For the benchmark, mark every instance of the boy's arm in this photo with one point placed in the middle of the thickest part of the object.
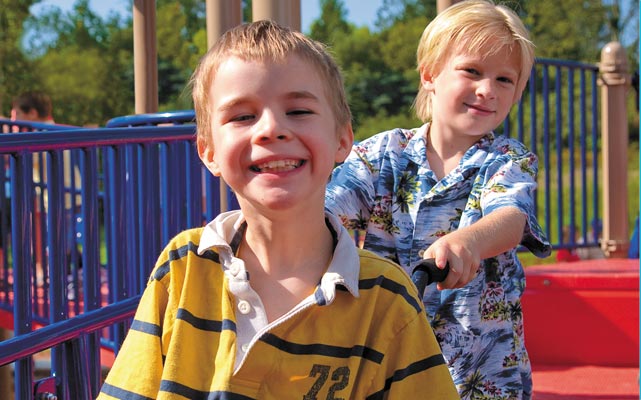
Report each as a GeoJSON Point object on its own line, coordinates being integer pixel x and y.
{"type": "Point", "coordinates": [464, 248]}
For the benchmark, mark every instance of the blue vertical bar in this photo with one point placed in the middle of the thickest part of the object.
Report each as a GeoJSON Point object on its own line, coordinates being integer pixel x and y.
{"type": "Point", "coordinates": [559, 150]}
{"type": "Point", "coordinates": [533, 121]}
{"type": "Point", "coordinates": [519, 117]}
{"type": "Point", "coordinates": [88, 165]}
{"type": "Point", "coordinates": [39, 227]}
{"type": "Point", "coordinates": [21, 242]}
{"type": "Point", "coordinates": [164, 194]}
{"type": "Point", "coordinates": [572, 194]}
{"type": "Point", "coordinates": [56, 244]}
{"type": "Point", "coordinates": [546, 149]}
{"type": "Point", "coordinates": [583, 152]}
{"type": "Point", "coordinates": [5, 220]}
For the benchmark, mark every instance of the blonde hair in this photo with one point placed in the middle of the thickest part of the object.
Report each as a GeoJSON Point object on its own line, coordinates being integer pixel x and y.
{"type": "Point", "coordinates": [265, 41]}
{"type": "Point", "coordinates": [471, 26]}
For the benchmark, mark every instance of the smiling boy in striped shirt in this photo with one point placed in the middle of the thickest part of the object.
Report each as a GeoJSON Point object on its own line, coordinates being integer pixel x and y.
{"type": "Point", "coordinates": [274, 301]}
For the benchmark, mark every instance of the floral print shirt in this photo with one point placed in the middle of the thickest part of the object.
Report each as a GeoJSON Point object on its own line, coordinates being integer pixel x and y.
{"type": "Point", "coordinates": [387, 189]}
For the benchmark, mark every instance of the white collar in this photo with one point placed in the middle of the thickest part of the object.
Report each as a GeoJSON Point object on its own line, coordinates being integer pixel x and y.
{"type": "Point", "coordinates": [222, 235]}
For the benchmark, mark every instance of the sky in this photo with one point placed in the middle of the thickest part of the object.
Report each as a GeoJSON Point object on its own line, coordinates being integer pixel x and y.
{"type": "Point", "coordinates": [359, 12]}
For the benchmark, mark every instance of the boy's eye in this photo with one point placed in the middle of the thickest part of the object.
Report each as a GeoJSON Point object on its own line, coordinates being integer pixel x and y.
{"type": "Point", "coordinates": [472, 71]}
{"type": "Point", "coordinates": [242, 118]}
{"type": "Point", "coordinates": [299, 112]}
{"type": "Point", "coordinates": [505, 79]}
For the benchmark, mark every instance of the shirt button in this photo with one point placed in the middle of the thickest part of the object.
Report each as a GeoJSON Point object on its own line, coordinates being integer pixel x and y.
{"type": "Point", "coordinates": [420, 253]}
{"type": "Point", "coordinates": [244, 347]}
{"type": "Point", "coordinates": [234, 268]}
{"type": "Point", "coordinates": [244, 307]}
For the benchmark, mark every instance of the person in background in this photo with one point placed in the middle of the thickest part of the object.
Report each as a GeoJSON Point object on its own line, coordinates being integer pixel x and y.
{"type": "Point", "coordinates": [455, 191]}
{"type": "Point", "coordinates": [274, 301]}
{"type": "Point", "coordinates": [36, 106]}
{"type": "Point", "coordinates": [32, 106]}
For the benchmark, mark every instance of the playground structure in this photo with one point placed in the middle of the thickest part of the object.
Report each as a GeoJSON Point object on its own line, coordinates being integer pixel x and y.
{"type": "Point", "coordinates": [76, 255]}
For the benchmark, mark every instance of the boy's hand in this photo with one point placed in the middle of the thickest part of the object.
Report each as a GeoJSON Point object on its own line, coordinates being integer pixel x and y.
{"type": "Point", "coordinates": [464, 259]}
{"type": "Point", "coordinates": [464, 248]}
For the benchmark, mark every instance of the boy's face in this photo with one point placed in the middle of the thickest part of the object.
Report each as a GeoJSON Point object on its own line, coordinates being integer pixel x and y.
{"type": "Point", "coordinates": [473, 93]}
{"type": "Point", "coordinates": [274, 135]}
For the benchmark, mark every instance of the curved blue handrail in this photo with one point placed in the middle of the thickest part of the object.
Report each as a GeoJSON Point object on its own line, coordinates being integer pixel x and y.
{"type": "Point", "coordinates": [172, 117]}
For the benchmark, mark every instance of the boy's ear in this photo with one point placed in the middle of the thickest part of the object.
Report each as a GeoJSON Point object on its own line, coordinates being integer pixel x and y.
{"type": "Point", "coordinates": [206, 154]}
{"type": "Point", "coordinates": [345, 142]}
{"type": "Point", "coordinates": [427, 79]}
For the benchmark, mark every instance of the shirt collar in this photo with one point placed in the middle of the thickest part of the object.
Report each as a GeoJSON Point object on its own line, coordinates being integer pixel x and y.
{"type": "Point", "coordinates": [416, 148]}
{"type": "Point", "coordinates": [224, 233]}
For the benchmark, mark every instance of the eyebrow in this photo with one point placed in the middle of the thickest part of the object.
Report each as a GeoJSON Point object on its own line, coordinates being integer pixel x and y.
{"type": "Point", "coordinates": [299, 94]}
{"type": "Point", "coordinates": [302, 94]}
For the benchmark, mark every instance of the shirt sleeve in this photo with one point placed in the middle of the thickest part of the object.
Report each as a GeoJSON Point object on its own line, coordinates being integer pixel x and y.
{"type": "Point", "coordinates": [510, 181]}
{"type": "Point", "coordinates": [138, 367]}
{"type": "Point", "coordinates": [350, 192]}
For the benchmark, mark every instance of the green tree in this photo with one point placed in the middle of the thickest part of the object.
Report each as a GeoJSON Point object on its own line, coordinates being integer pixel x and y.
{"type": "Point", "coordinates": [555, 29]}
{"type": "Point", "coordinates": [394, 11]}
{"type": "Point", "coordinates": [83, 62]}
{"type": "Point", "coordinates": [332, 24]}
{"type": "Point", "coordinates": [15, 70]}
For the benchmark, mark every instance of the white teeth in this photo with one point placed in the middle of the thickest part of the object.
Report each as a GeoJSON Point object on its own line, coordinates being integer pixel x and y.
{"type": "Point", "coordinates": [279, 165]}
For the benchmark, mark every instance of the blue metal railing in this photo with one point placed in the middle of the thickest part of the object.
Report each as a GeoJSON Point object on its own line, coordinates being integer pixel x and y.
{"type": "Point", "coordinates": [141, 183]}
{"type": "Point", "coordinates": [124, 203]}
{"type": "Point", "coordinates": [560, 135]}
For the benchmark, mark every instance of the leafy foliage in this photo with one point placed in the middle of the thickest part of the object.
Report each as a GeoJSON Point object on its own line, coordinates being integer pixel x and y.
{"type": "Point", "coordinates": [86, 63]}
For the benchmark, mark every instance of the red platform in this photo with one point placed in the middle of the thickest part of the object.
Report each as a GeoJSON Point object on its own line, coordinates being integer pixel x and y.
{"type": "Point", "coordinates": [582, 329]}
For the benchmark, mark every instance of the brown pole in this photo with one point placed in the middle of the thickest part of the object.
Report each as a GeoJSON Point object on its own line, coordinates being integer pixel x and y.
{"type": "Point", "coordinates": [295, 15]}
{"type": "Point", "coordinates": [221, 16]}
{"type": "Point", "coordinates": [443, 4]}
{"type": "Point", "coordinates": [614, 84]}
{"type": "Point", "coordinates": [6, 372]}
{"type": "Point", "coordinates": [145, 56]}
{"type": "Point", "coordinates": [276, 10]}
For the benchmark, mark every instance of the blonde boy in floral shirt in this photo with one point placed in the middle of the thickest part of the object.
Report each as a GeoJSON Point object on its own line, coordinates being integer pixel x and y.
{"type": "Point", "coordinates": [454, 191]}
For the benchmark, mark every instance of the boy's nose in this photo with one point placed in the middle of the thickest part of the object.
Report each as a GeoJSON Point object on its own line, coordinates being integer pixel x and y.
{"type": "Point", "coordinates": [270, 128]}
{"type": "Point", "coordinates": [486, 88]}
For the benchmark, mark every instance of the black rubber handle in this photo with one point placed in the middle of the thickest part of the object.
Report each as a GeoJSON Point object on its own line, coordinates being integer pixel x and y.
{"type": "Point", "coordinates": [426, 272]}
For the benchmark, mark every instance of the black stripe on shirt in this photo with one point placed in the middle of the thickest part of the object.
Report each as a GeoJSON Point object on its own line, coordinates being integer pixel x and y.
{"type": "Point", "coordinates": [205, 324]}
{"type": "Point", "coordinates": [146, 327]}
{"type": "Point", "coordinates": [323, 349]}
{"type": "Point", "coordinates": [392, 286]}
{"type": "Point", "coordinates": [193, 394]}
{"type": "Point", "coordinates": [414, 368]}
{"type": "Point", "coordinates": [181, 252]}
{"type": "Point", "coordinates": [122, 394]}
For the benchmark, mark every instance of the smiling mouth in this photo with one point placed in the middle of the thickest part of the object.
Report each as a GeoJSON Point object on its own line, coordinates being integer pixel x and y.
{"type": "Point", "coordinates": [478, 108]}
{"type": "Point", "coordinates": [277, 166]}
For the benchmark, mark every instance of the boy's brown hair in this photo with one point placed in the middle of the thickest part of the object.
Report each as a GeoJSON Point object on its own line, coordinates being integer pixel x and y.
{"type": "Point", "coordinates": [265, 41]}
{"type": "Point", "coordinates": [33, 101]}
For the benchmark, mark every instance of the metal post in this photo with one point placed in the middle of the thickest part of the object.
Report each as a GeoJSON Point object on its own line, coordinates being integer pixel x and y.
{"type": "Point", "coordinates": [281, 11]}
{"type": "Point", "coordinates": [295, 15]}
{"type": "Point", "coordinates": [614, 84]}
{"type": "Point", "coordinates": [145, 56]}
{"type": "Point", "coordinates": [443, 4]}
{"type": "Point", "coordinates": [6, 372]}
{"type": "Point", "coordinates": [221, 16]}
